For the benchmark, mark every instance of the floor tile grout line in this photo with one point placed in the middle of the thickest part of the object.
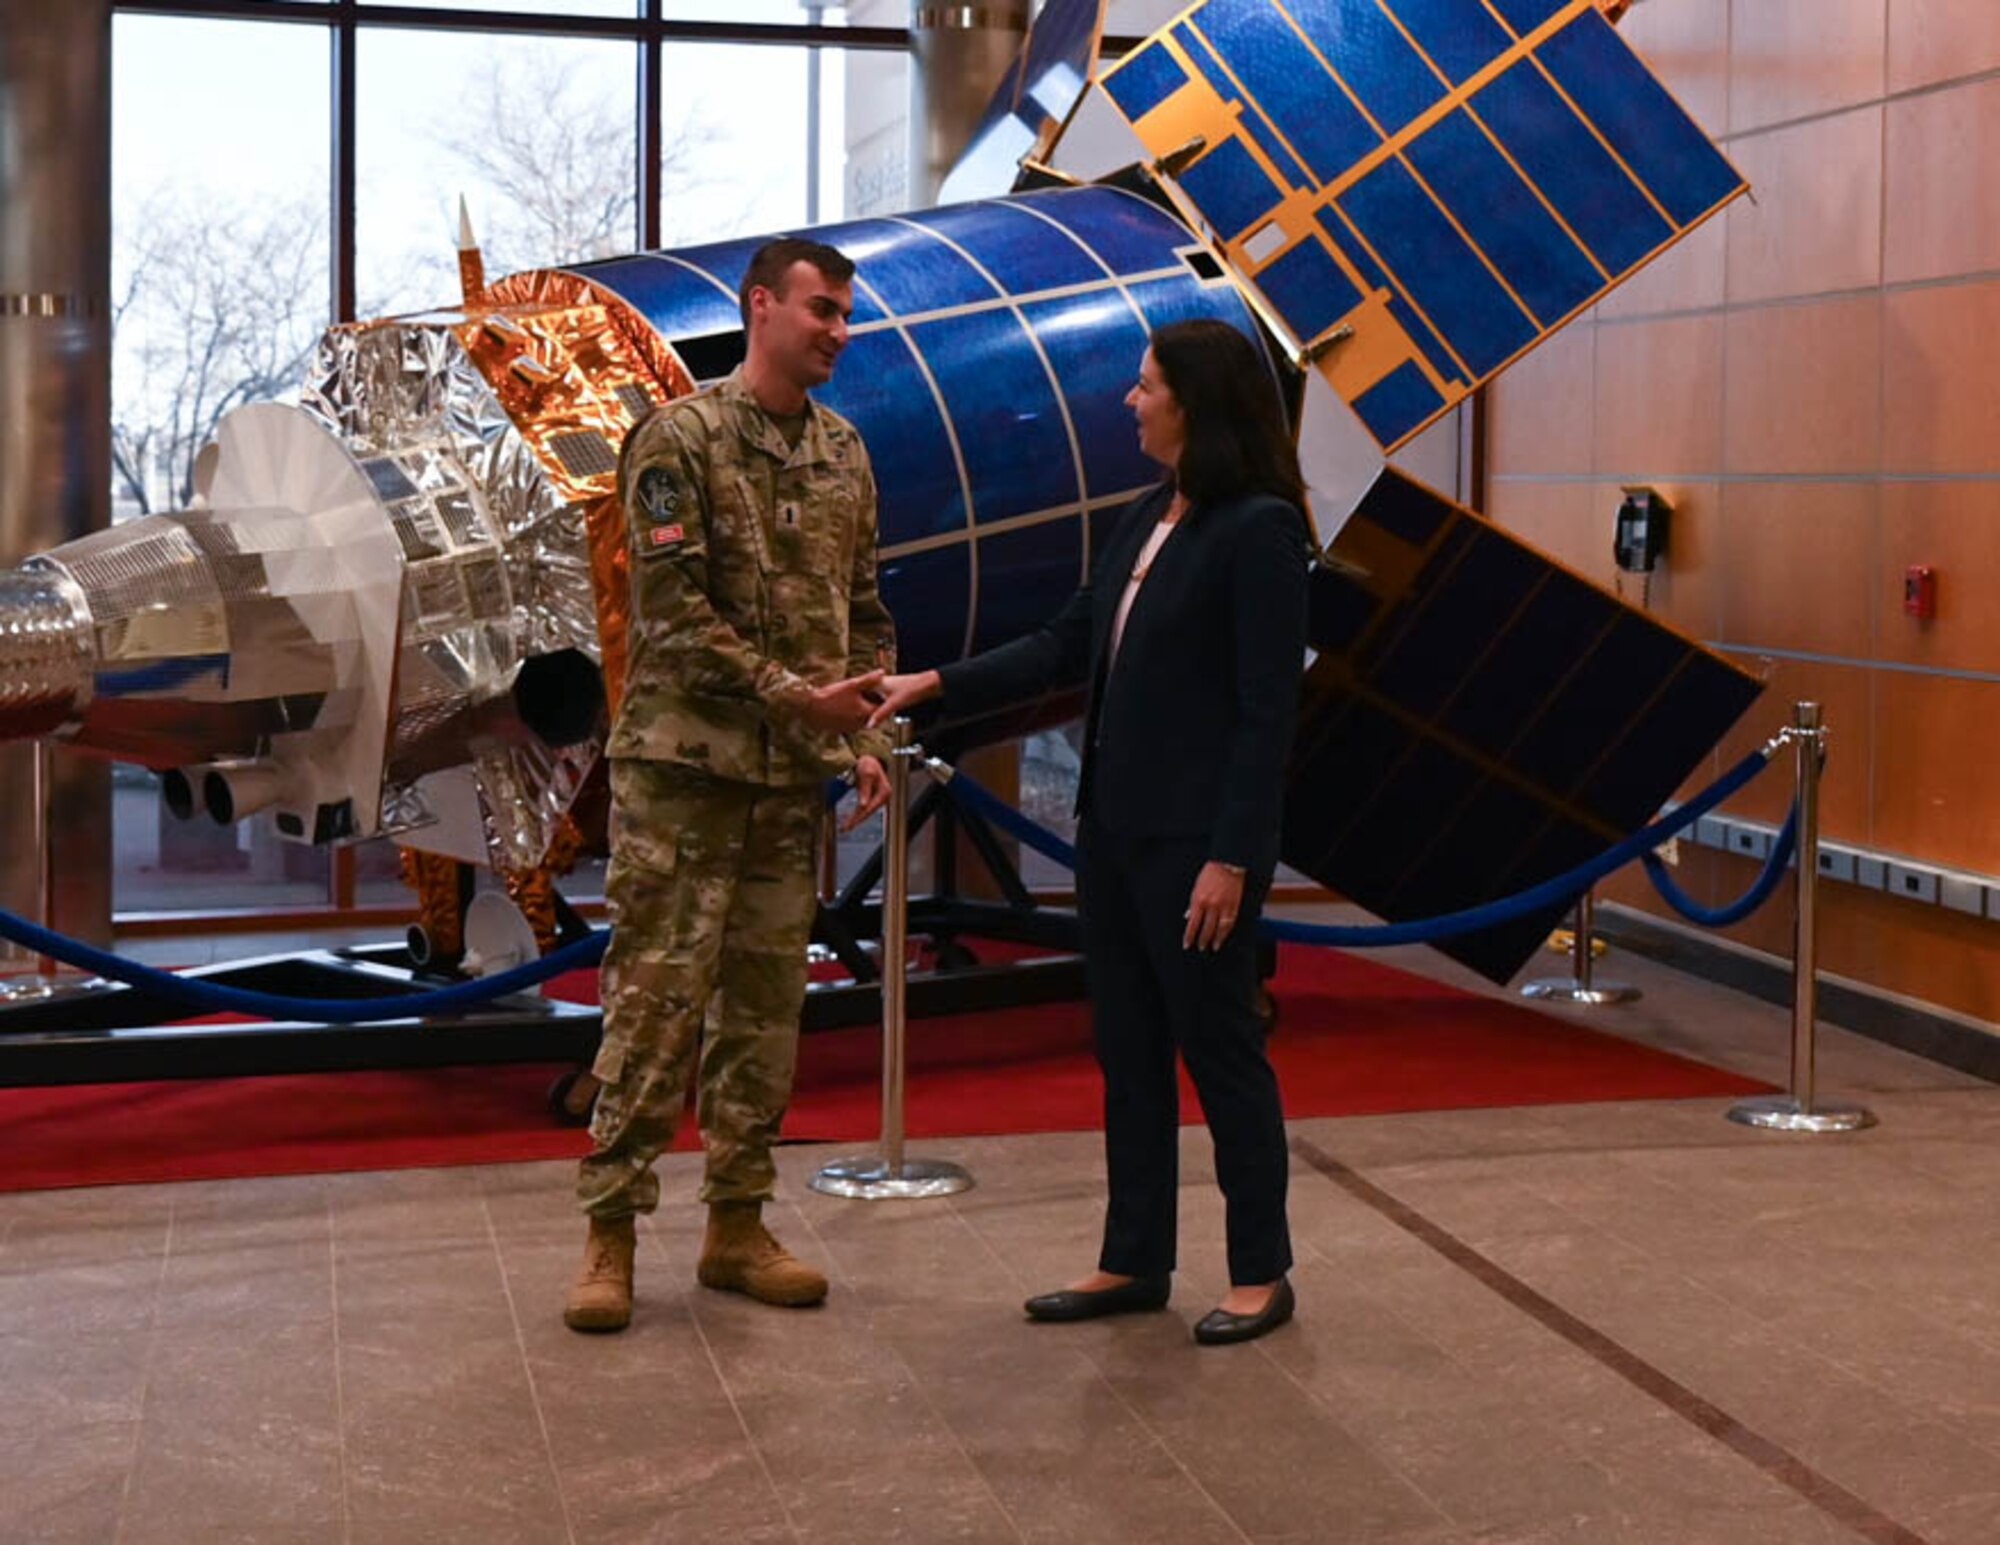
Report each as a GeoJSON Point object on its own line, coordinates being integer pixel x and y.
{"type": "Point", "coordinates": [153, 1335]}
{"type": "Point", "coordinates": [688, 1307]}
{"type": "Point", "coordinates": [1829, 1496]}
{"type": "Point", "coordinates": [1817, 1272]}
{"type": "Point", "coordinates": [917, 1385]}
{"type": "Point", "coordinates": [527, 1368]}
{"type": "Point", "coordinates": [1589, 1225]}
{"type": "Point", "coordinates": [339, 1385]}
{"type": "Point", "coordinates": [1097, 1370]}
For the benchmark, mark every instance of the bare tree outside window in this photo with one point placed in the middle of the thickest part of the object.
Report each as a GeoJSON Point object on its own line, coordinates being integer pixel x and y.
{"type": "Point", "coordinates": [213, 307]}
{"type": "Point", "coordinates": [217, 305]}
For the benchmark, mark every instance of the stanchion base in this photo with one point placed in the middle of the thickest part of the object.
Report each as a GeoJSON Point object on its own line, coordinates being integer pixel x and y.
{"type": "Point", "coordinates": [873, 1179]}
{"type": "Point", "coordinates": [1567, 989]}
{"type": "Point", "coordinates": [1782, 1113]}
{"type": "Point", "coordinates": [46, 989]}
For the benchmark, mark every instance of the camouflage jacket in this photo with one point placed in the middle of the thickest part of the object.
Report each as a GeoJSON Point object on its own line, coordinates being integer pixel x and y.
{"type": "Point", "coordinates": [753, 581]}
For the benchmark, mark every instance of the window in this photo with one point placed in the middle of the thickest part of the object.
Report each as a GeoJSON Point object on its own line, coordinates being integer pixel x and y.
{"type": "Point", "coordinates": [220, 291]}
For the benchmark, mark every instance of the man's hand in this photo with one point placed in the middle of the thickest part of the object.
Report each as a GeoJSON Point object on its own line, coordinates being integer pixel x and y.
{"type": "Point", "coordinates": [871, 785]}
{"type": "Point", "coordinates": [844, 707]}
{"type": "Point", "coordinates": [1212, 909]}
{"type": "Point", "coordinates": [898, 694]}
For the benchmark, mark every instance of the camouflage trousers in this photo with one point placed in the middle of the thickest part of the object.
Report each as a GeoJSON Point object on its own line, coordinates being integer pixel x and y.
{"type": "Point", "coordinates": [711, 889]}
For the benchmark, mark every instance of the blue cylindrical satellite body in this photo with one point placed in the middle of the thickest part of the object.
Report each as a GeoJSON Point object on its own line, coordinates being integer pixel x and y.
{"type": "Point", "coordinates": [991, 348]}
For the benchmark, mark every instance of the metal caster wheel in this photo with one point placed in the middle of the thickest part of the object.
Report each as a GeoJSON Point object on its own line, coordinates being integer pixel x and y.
{"type": "Point", "coordinates": [953, 956]}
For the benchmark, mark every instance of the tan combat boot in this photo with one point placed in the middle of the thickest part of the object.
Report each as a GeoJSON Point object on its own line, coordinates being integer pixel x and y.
{"type": "Point", "coordinates": [601, 1296]}
{"type": "Point", "coordinates": [740, 1256]}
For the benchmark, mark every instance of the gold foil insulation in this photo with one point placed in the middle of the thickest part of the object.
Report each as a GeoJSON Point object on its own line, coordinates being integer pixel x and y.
{"type": "Point", "coordinates": [567, 357]}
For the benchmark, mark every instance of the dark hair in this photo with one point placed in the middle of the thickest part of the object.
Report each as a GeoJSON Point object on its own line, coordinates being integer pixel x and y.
{"type": "Point", "coordinates": [771, 262]}
{"type": "Point", "coordinates": [1237, 439]}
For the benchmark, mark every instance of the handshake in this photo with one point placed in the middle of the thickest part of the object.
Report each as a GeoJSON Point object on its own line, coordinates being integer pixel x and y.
{"type": "Point", "coordinates": [862, 702]}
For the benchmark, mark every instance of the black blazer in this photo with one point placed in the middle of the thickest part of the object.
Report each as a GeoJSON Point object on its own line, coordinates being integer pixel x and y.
{"type": "Point", "coordinates": [1187, 732]}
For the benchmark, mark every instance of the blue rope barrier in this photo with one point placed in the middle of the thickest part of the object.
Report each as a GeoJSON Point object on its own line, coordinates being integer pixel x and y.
{"type": "Point", "coordinates": [214, 998]}
{"type": "Point", "coordinates": [1561, 889]}
{"type": "Point", "coordinates": [1734, 911]}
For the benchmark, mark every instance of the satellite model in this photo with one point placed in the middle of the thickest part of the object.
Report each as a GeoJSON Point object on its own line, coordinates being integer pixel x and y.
{"type": "Point", "coordinates": [399, 608]}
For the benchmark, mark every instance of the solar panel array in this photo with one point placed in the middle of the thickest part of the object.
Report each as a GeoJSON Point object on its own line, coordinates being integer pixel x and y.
{"type": "Point", "coordinates": [1419, 190]}
{"type": "Point", "coordinates": [1479, 719]}
{"type": "Point", "coordinates": [1035, 98]}
{"type": "Point", "coordinates": [991, 348]}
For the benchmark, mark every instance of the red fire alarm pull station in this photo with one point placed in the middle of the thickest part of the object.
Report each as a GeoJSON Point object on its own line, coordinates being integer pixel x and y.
{"type": "Point", "coordinates": [1920, 591]}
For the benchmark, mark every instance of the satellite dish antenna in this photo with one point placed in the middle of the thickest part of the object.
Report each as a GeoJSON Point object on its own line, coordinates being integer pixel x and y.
{"type": "Point", "coordinates": [497, 936]}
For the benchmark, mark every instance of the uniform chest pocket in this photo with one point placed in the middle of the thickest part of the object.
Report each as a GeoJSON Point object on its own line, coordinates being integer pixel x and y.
{"type": "Point", "coordinates": [805, 528]}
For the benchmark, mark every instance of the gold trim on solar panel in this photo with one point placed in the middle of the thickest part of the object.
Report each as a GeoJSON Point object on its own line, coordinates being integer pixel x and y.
{"type": "Point", "coordinates": [1196, 113]}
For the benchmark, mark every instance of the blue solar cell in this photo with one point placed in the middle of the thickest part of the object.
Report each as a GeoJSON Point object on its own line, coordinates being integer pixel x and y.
{"type": "Point", "coordinates": [1059, 54]}
{"type": "Point", "coordinates": [1524, 16]}
{"type": "Point", "coordinates": [1398, 403]}
{"type": "Point", "coordinates": [1291, 170]}
{"type": "Point", "coordinates": [1230, 189]}
{"type": "Point", "coordinates": [1505, 220]}
{"type": "Point", "coordinates": [1094, 343]}
{"type": "Point", "coordinates": [1129, 234]}
{"type": "Point", "coordinates": [1289, 84]}
{"type": "Point", "coordinates": [910, 271]}
{"type": "Point", "coordinates": [1461, 36]}
{"type": "Point", "coordinates": [1177, 299]}
{"type": "Point", "coordinates": [929, 594]}
{"type": "Point", "coordinates": [1442, 274]}
{"type": "Point", "coordinates": [1146, 78]}
{"type": "Point", "coordinates": [1309, 289]}
{"type": "Point", "coordinates": [1043, 564]}
{"type": "Point", "coordinates": [879, 387]}
{"type": "Point", "coordinates": [1343, 237]}
{"type": "Point", "coordinates": [1429, 344]}
{"type": "Point", "coordinates": [1011, 430]}
{"type": "Point", "coordinates": [1574, 171]}
{"type": "Point", "coordinates": [679, 302]}
{"type": "Point", "coordinates": [1255, 124]}
{"type": "Point", "coordinates": [1023, 253]}
{"type": "Point", "coordinates": [992, 154]}
{"type": "Point", "coordinates": [1372, 56]}
{"type": "Point", "coordinates": [1442, 360]}
{"type": "Point", "coordinates": [1642, 122]}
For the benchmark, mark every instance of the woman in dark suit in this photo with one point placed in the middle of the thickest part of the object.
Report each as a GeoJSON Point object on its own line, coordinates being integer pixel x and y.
{"type": "Point", "coordinates": [1190, 637]}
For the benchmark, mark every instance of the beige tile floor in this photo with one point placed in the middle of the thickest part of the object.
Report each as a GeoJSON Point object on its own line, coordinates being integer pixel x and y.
{"type": "Point", "coordinates": [1631, 1324]}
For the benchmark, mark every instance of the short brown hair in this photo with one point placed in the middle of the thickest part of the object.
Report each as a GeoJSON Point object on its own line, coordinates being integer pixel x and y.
{"type": "Point", "coordinates": [771, 262]}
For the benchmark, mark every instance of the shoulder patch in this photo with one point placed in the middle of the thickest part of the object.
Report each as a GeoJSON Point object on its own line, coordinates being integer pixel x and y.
{"type": "Point", "coordinates": [658, 495]}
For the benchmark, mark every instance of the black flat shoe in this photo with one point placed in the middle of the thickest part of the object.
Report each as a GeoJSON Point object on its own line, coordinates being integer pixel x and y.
{"type": "Point", "coordinates": [1220, 1328]}
{"type": "Point", "coordinates": [1135, 1297]}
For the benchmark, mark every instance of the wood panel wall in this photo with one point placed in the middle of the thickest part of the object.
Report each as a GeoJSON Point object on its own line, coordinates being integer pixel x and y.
{"type": "Point", "coordinates": [1814, 379]}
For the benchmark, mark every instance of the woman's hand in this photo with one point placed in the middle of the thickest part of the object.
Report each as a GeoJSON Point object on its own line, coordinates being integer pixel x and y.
{"type": "Point", "coordinates": [1212, 908]}
{"type": "Point", "coordinates": [901, 693]}
{"type": "Point", "coordinates": [871, 782]}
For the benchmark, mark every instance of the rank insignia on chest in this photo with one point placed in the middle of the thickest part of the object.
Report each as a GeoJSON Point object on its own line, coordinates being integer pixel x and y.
{"type": "Point", "coordinates": [788, 516]}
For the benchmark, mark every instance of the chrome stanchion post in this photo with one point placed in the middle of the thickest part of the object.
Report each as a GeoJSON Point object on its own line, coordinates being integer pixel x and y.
{"type": "Point", "coordinates": [45, 981]}
{"type": "Point", "coordinates": [892, 1174]}
{"type": "Point", "coordinates": [1580, 986]}
{"type": "Point", "coordinates": [1797, 1111]}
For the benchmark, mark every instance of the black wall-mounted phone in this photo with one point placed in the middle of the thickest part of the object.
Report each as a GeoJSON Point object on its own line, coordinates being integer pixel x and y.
{"type": "Point", "coordinates": [1639, 539]}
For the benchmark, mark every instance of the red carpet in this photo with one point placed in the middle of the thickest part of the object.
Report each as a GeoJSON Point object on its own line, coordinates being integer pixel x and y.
{"type": "Point", "coordinates": [1354, 1038]}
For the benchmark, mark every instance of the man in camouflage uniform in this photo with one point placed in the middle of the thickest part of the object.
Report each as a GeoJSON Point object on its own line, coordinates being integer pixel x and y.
{"type": "Point", "coordinates": [757, 640]}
